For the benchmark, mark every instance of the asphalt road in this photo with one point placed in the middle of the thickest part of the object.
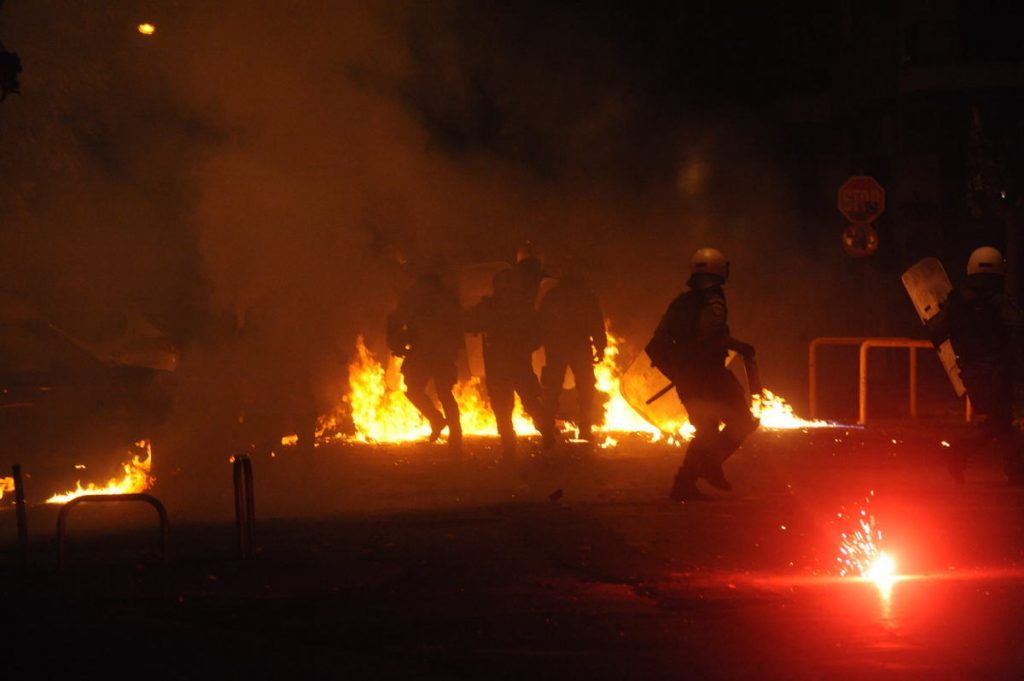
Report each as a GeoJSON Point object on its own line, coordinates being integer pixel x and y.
{"type": "Point", "coordinates": [399, 563]}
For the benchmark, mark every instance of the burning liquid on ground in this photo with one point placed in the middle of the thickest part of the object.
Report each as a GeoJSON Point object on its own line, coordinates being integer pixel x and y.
{"type": "Point", "coordinates": [6, 486]}
{"type": "Point", "coordinates": [136, 478]}
{"type": "Point", "coordinates": [381, 413]}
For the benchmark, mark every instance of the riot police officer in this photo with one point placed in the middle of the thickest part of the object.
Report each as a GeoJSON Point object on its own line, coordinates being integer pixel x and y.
{"type": "Point", "coordinates": [574, 338]}
{"type": "Point", "coordinates": [690, 346]}
{"type": "Point", "coordinates": [984, 327]}
{"type": "Point", "coordinates": [511, 332]}
{"type": "Point", "coordinates": [426, 329]}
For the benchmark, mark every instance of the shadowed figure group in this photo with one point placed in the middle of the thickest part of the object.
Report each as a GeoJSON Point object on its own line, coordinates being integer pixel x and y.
{"type": "Point", "coordinates": [427, 329]}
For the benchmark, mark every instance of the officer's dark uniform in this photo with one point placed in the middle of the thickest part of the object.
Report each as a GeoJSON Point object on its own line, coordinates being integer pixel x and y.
{"type": "Point", "coordinates": [985, 329]}
{"type": "Point", "coordinates": [690, 346]}
{"type": "Point", "coordinates": [426, 328]}
{"type": "Point", "coordinates": [511, 330]}
{"type": "Point", "coordinates": [574, 338]}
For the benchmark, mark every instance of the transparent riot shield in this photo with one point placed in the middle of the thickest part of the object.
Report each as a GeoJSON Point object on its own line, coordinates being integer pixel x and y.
{"type": "Point", "coordinates": [928, 287]}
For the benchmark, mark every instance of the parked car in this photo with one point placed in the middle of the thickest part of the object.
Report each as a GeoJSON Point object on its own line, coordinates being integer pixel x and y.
{"type": "Point", "coordinates": [62, 403]}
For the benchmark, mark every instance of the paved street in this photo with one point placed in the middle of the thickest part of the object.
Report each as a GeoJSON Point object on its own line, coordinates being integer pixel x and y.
{"type": "Point", "coordinates": [396, 563]}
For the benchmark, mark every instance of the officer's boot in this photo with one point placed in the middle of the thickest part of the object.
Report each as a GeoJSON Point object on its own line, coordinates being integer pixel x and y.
{"type": "Point", "coordinates": [715, 456]}
{"type": "Point", "coordinates": [684, 487]}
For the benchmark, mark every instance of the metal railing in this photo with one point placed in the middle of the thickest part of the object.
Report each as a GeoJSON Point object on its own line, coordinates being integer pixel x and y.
{"type": "Point", "coordinates": [812, 364]}
{"type": "Point", "coordinates": [62, 518]}
{"type": "Point", "coordinates": [911, 345]}
{"type": "Point", "coordinates": [245, 507]}
{"type": "Point", "coordinates": [865, 344]}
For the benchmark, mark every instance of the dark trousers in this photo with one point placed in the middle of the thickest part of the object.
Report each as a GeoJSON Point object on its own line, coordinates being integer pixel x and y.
{"type": "Point", "coordinates": [418, 373]}
{"type": "Point", "coordinates": [712, 396]}
{"type": "Point", "coordinates": [581, 363]}
{"type": "Point", "coordinates": [506, 379]}
{"type": "Point", "coordinates": [991, 392]}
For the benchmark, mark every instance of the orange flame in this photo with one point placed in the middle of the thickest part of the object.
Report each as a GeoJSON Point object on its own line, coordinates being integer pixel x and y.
{"type": "Point", "coordinates": [6, 485]}
{"type": "Point", "coordinates": [381, 413]}
{"type": "Point", "coordinates": [136, 479]}
{"type": "Point", "coordinates": [776, 414]}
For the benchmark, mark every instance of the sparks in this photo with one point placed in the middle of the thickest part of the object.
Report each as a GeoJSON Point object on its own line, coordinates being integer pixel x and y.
{"type": "Point", "coordinates": [146, 29]}
{"type": "Point", "coordinates": [861, 555]}
{"type": "Point", "coordinates": [136, 479]}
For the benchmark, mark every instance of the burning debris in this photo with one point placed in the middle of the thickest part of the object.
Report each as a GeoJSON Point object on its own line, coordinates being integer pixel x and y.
{"type": "Point", "coordinates": [136, 478]}
{"type": "Point", "coordinates": [380, 413]}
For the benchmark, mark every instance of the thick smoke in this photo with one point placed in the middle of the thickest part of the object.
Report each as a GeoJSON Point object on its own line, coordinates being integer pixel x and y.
{"type": "Point", "coordinates": [254, 174]}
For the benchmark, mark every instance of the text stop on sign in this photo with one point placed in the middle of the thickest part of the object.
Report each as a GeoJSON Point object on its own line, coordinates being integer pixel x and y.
{"type": "Point", "coordinates": [861, 199]}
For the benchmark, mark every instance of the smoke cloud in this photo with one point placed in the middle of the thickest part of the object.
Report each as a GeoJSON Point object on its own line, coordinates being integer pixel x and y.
{"type": "Point", "coordinates": [265, 167]}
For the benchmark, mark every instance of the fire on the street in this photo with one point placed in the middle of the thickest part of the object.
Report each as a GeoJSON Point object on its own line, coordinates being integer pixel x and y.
{"type": "Point", "coordinates": [381, 414]}
{"type": "Point", "coordinates": [6, 485]}
{"type": "Point", "coordinates": [136, 478]}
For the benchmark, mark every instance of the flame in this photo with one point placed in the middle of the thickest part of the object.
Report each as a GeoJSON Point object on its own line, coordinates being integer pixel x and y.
{"type": "Point", "coordinates": [776, 414]}
{"type": "Point", "coordinates": [146, 29]}
{"type": "Point", "coordinates": [6, 485]}
{"type": "Point", "coordinates": [381, 413]}
{"type": "Point", "coordinates": [136, 479]}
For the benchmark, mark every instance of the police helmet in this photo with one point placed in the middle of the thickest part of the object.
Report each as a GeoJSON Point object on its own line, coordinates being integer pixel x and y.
{"type": "Point", "coordinates": [986, 260]}
{"type": "Point", "coordinates": [709, 261]}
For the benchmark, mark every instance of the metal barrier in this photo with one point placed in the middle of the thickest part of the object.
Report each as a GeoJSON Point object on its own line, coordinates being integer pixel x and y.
{"type": "Point", "coordinates": [22, 515]}
{"type": "Point", "coordinates": [812, 364]}
{"type": "Point", "coordinates": [866, 344]}
{"type": "Point", "coordinates": [911, 345]}
{"type": "Point", "coordinates": [62, 518]}
{"type": "Point", "coordinates": [245, 507]}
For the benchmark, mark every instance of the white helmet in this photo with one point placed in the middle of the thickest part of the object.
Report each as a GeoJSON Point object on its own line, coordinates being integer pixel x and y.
{"type": "Point", "coordinates": [709, 261]}
{"type": "Point", "coordinates": [986, 260]}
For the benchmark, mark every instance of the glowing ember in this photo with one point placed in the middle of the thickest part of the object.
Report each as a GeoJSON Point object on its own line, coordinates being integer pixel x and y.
{"type": "Point", "coordinates": [136, 479]}
{"type": "Point", "coordinates": [6, 485]}
{"type": "Point", "coordinates": [147, 29]}
{"type": "Point", "coordinates": [290, 440]}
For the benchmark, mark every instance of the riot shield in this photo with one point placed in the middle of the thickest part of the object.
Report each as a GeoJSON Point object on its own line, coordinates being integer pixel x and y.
{"type": "Point", "coordinates": [928, 287]}
{"type": "Point", "coordinates": [644, 388]}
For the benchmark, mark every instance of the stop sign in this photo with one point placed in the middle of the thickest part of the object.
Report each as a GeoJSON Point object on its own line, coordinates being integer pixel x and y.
{"type": "Point", "coordinates": [861, 199]}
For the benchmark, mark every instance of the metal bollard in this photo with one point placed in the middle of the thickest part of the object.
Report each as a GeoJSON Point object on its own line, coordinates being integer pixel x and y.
{"type": "Point", "coordinates": [245, 507]}
{"type": "Point", "coordinates": [22, 515]}
{"type": "Point", "coordinates": [62, 518]}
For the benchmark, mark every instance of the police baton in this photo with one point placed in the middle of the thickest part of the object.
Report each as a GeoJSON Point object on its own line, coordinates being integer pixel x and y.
{"type": "Point", "coordinates": [753, 375]}
{"type": "Point", "coordinates": [661, 392]}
